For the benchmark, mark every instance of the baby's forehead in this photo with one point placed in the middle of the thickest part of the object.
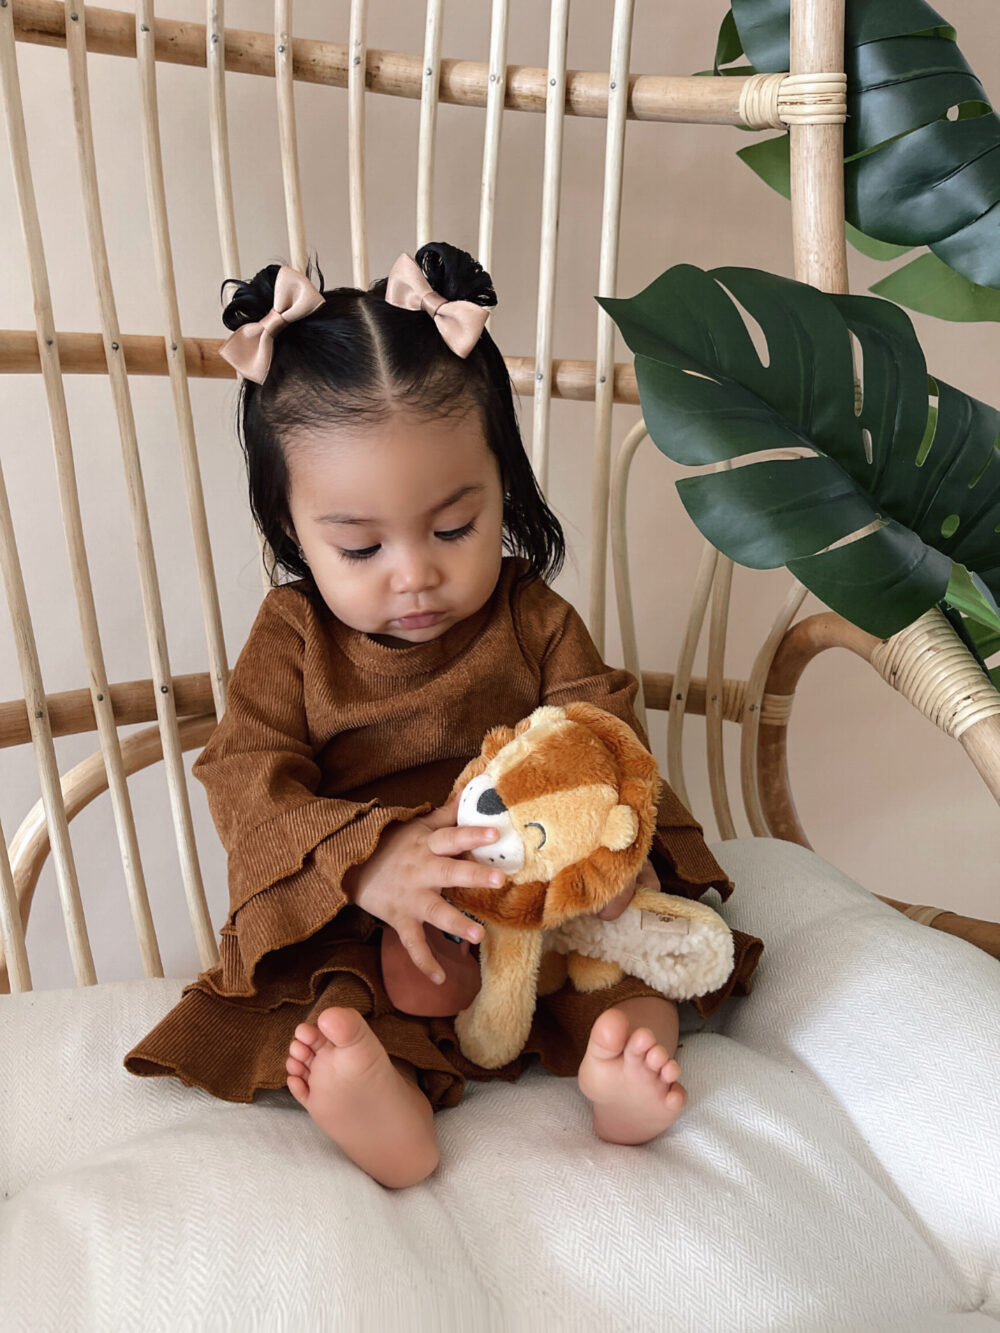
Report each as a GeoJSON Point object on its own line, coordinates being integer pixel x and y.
{"type": "Point", "coordinates": [402, 468]}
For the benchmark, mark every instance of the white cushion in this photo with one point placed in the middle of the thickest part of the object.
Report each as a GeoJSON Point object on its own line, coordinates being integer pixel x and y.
{"type": "Point", "coordinates": [834, 1168]}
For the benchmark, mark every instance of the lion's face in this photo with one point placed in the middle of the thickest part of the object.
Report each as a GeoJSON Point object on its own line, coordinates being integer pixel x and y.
{"type": "Point", "coordinates": [571, 795]}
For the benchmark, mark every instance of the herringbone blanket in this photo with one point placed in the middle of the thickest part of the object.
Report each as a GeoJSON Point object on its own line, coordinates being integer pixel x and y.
{"type": "Point", "coordinates": [838, 1166]}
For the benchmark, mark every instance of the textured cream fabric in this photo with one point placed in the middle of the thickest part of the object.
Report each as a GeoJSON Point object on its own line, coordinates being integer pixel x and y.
{"type": "Point", "coordinates": [836, 1167]}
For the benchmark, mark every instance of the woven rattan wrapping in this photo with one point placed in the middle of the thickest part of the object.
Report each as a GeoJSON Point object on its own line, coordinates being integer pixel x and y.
{"type": "Point", "coordinates": [930, 666]}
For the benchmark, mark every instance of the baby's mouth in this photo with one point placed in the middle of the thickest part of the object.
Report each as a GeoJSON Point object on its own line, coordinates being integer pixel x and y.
{"type": "Point", "coordinates": [420, 619]}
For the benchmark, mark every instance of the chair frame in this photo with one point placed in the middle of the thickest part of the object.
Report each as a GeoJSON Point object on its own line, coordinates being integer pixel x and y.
{"type": "Point", "coordinates": [810, 100]}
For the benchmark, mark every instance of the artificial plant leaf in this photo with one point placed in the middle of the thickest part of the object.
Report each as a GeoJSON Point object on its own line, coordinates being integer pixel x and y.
{"type": "Point", "coordinates": [949, 172]}
{"type": "Point", "coordinates": [932, 493]}
{"type": "Point", "coordinates": [975, 250]}
{"type": "Point", "coordinates": [766, 514]}
{"type": "Point", "coordinates": [868, 245]}
{"type": "Point", "coordinates": [769, 159]}
{"type": "Point", "coordinates": [901, 83]}
{"type": "Point", "coordinates": [968, 594]}
{"type": "Point", "coordinates": [728, 47]}
{"type": "Point", "coordinates": [926, 284]}
{"type": "Point", "coordinates": [905, 75]}
{"type": "Point", "coordinates": [987, 641]}
{"type": "Point", "coordinates": [881, 582]}
{"type": "Point", "coordinates": [763, 26]}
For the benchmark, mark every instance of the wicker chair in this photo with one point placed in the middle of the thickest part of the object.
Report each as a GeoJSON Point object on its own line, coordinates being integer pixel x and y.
{"type": "Point", "coordinates": [925, 662]}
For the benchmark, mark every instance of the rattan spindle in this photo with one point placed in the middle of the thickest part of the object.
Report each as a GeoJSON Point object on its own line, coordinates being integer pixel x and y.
{"type": "Point", "coordinates": [222, 179]}
{"type": "Point", "coordinates": [607, 285]}
{"type": "Point", "coordinates": [218, 123]}
{"type": "Point", "coordinates": [429, 94]}
{"type": "Point", "coordinates": [714, 708]}
{"type": "Point", "coordinates": [618, 513]}
{"type": "Point", "coordinates": [495, 97]}
{"type": "Point", "coordinates": [820, 255]}
{"type": "Point", "coordinates": [132, 469]}
{"type": "Point", "coordinates": [358, 42]}
{"type": "Point", "coordinates": [750, 738]}
{"type": "Point", "coordinates": [10, 564]}
{"type": "Point", "coordinates": [15, 973]}
{"type": "Point", "coordinates": [285, 87]}
{"type": "Point", "coordinates": [817, 148]}
{"type": "Point", "coordinates": [45, 755]}
{"type": "Point", "coordinates": [700, 594]}
{"type": "Point", "coordinates": [73, 523]}
{"type": "Point", "coordinates": [81, 785]}
{"type": "Point", "coordinates": [555, 105]}
{"type": "Point", "coordinates": [156, 197]}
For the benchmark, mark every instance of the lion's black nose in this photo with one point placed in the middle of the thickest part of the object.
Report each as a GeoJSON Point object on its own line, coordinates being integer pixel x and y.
{"type": "Point", "coordinates": [490, 803]}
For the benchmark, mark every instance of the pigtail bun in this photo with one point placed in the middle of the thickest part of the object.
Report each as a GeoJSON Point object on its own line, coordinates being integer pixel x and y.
{"type": "Point", "coordinates": [248, 300]}
{"type": "Point", "coordinates": [454, 274]}
{"type": "Point", "coordinates": [251, 299]}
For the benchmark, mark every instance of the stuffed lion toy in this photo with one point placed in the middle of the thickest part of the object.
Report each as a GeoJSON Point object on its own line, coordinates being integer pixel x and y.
{"type": "Point", "coordinates": [572, 793]}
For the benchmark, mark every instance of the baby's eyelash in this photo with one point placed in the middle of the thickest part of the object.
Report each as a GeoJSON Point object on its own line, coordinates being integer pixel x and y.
{"type": "Point", "coordinates": [367, 552]}
{"type": "Point", "coordinates": [456, 534]}
{"type": "Point", "coordinates": [362, 553]}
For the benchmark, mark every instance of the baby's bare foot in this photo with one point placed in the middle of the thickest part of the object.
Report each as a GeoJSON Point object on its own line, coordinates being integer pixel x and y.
{"type": "Point", "coordinates": [631, 1081]}
{"type": "Point", "coordinates": [340, 1072]}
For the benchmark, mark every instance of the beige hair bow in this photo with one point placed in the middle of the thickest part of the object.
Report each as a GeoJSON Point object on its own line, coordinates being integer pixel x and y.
{"type": "Point", "coordinates": [251, 347]}
{"type": "Point", "coordinates": [460, 323]}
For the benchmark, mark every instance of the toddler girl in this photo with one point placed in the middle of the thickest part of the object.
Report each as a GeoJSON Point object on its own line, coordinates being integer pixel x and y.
{"type": "Point", "coordinates": [388, 476]}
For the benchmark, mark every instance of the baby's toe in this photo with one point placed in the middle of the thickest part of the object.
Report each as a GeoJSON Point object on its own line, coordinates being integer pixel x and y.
{"type": "Point", "coordinates": [299, 1088]}
{"type": "Point", "coordinates": [297, 1068]}
{"type": "Point", "coordinates": [301, 1052]}
{"type": "Point", "coordinates": [307, 1034]}
{"type": "Point", "coordinates": [656, 1058]}
{"type": "Point", "coordinates": [670, 1071]}
{"type": "Point", "coordinates": [676, 1099]}
{"type": "Point", "coordinates": [608, 1035]}
{"type": "Point", "coordinates": [640, 1043]}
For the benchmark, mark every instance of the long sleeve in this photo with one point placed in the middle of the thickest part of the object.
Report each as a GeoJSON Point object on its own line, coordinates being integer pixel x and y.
{"type": "Point", "coordinates": [572, 669]}
{"type": "Point", "coordinates": [288, 845]}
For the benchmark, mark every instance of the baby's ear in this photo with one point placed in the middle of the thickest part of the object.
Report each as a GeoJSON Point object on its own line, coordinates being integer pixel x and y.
{"type": "Point", "coordinates": [621, 829]}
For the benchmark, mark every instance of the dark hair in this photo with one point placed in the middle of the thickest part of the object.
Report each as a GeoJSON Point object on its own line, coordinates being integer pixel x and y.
{"type": "Point", "coordinates": [357, 360]}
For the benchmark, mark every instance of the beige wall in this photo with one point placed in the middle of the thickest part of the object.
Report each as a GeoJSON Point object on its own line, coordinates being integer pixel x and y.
{"type": "Point", "coordinates": [881, 793]}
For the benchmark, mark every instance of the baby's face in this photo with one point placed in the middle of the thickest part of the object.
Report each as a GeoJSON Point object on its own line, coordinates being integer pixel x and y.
{"type": "Point", "coordinates": [401, 524]}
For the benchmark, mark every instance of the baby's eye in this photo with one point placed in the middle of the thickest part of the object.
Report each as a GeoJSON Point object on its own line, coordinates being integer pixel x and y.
{"type": "Point", "coordinates": [456, 534]}
{"type": "Point", "coordinates": [361, 553]}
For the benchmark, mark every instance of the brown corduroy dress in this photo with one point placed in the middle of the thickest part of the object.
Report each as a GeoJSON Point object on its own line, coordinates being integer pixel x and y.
{"type": "Point", "coordinates": [327, 738]}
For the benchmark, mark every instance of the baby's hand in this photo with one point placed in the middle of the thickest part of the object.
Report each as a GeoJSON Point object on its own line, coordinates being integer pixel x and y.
{"type": "Point", "coordinates": [647, 878]}
{"type": "Point", "coordinates": [401, 882]}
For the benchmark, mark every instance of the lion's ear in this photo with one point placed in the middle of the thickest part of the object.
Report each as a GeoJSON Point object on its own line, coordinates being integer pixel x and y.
{"type": "Point", "coordinates": [621, 828]}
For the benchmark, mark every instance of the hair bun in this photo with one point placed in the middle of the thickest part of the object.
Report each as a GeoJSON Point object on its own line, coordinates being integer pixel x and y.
{"type": "Point", "coordinates": [454, 274]}
{"type": "Point", "coordinates": [251, 300]}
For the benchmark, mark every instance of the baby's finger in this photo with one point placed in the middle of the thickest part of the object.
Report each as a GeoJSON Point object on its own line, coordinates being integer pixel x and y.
{"type": "Point", "coordinates": [442, 914]}
{"type": "Point", "coordinates": [454, 841]}
{"type": "Point", "coordinates": [468, 875]}
{"type": "Point", "coordinates": [444, 815]}
{"type": "Point", "coordinates": [414, 941]}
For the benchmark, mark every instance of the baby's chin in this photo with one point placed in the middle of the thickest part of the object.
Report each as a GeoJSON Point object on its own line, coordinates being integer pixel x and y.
{"type": "Point", "coordinates": [394, 637]}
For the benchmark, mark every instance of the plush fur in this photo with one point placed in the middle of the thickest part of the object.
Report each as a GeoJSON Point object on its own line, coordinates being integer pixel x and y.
{"type": "Point", "coordinates": [573, 793]}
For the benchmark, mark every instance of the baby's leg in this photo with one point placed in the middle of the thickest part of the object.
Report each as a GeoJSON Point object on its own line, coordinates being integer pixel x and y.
{"type": "Point", "coordinates": [367, 1103]}
{"type": "Point", "coordinates": [629, 1073]}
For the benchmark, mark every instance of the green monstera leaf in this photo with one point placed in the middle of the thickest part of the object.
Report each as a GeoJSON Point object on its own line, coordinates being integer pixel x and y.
{"type": "Point", "coordinates": [893, 504]}
{"type": "Point", "coordinates": [921, 140]}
